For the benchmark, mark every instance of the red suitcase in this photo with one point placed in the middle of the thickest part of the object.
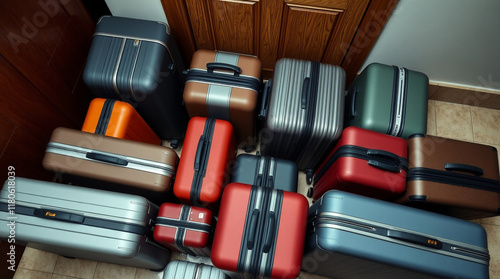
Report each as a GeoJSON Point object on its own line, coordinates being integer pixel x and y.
{"type": "Point", "coordinates": [209, 147]}
{"type": "Point", "coordinates": [364, 162]}
{"type": "Point", "coordinates": [260, 231]}
{"type": "Point", "coordinates": [185, 229]}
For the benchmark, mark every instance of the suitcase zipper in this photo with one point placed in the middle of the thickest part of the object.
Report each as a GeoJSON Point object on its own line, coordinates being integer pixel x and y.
{"type": "Point", "coordinates": [201, 160]}
{"type": "Point", "coordinates": [457, 179]}
{"type": "Point", "coordinates": [330, 220]}
{"type": "Point", "coordinates": [110, 158]}
{"type": "Point", "coordinates": [377, 158]}
{"type": "Point", "coordinates": [399, 97]}
{"type": "Point", "coordinates": [104, 117]}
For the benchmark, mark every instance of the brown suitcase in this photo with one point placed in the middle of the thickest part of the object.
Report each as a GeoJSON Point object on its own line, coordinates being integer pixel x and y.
{"type": "Point", "coordinates": [225, 86]}
{"type": "Point", "coordinates": [113, 164]}
{"type": "Point", "coordinates": [452, 177]}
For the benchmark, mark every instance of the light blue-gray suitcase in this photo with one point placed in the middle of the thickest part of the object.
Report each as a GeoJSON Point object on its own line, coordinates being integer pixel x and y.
{"type": "Point", "coordinates": [352, 236]}
{"type": "Point", "coordinates": [188, 270]}
{"type": "Point", "coordinates": [81, 223]}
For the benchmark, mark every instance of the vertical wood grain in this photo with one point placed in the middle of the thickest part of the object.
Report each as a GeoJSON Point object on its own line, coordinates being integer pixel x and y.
{"type": "Point", "coordinates": [306, 32]}
{"type": "Point", "coordinates": [178, 19]}
{"type": "Point", "coordinates": [199, 17]}
{"type": "Point", "coordinates": [271, 17]}
{"type": "Point", "coordinates": [345, 31]}
{"type": "Point", "coordinates": [377, 14]}
{"type": "Point", "coordinates": [234, 25]}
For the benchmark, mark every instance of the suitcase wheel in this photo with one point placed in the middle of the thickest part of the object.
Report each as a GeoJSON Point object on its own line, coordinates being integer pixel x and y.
{"type": "Point", "coordinates": [309, 176]}
{"type": "Point", "coordinates": [310, 192]}
{"type": "Point", "coordinates": [174, 143]}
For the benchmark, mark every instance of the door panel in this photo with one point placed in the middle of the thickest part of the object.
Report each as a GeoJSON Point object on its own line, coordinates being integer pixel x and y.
{"type": "Point", "coordinates": [305, 30]}
{"type": "Point", "coordinates": [235, 25]}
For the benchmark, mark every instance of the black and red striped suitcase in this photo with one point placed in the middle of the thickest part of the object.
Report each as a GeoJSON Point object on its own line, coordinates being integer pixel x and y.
{"type": "Point", "coordinates": [185, 229]}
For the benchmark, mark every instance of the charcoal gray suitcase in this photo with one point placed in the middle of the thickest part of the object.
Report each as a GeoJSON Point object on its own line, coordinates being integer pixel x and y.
{"type": "Point", "coordinates": [265, 171]}
{"type": "Point", "coordinates": [137, 61]}
{"type": "Point", "coordinates": [189, 270]}
{"type": "Point", "coordinates": [82, 223]}
{"type": "Point", "coordinates": [305, 112]}
{"type": "Point", "coordinates": [352, 236]}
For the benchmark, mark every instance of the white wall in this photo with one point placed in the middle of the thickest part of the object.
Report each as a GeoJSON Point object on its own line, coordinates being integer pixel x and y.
{"type": "Point", "coordinates": [454, 42]}
{"type": "Point", "coordinates": [140, 9]}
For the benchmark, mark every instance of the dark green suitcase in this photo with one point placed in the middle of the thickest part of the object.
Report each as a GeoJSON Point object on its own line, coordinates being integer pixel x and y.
{"type": "Point", "coordinates": [388, 99]}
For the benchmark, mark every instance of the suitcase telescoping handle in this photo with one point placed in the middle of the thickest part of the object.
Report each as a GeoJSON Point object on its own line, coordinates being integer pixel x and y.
{"type": "Point", "coordinates": [266, 96]}
{"type": "Point", "coordinates": [477, 171]}
{"type": "Point", "coordinates": [106, 158]}
{"type": "Point", "coordinates": [223, 66]}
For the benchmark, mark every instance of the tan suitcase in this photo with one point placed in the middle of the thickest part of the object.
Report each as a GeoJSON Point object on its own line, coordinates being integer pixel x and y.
{"type": "Point", "coordinates": [225, 86]}
{"type": "Point", "coordinates": [112, 164]}
{"type": "Point", "coordinates": [452, 177]}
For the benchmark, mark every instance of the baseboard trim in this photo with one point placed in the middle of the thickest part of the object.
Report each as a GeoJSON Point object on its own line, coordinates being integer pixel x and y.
{"type": "Point", "coordinates": [463, 95]}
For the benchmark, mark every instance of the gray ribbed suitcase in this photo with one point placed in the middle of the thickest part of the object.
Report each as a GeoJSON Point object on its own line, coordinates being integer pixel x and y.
{"type": "Point", "coordinates": [82, 223]}
{"type": "Point", "coordinates": [182, 269]}
{"type": "Point", "coordinates": [305, 112]}
{"type": "Point", "coordinates": [137, 61]}
{"type": "Point", "coordinates": [352, 236]}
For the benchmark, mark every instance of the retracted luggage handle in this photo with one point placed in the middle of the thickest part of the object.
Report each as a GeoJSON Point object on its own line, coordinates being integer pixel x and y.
{"type": "Point", "coordinates": [106, 158]}
{"type": "Point", "coordinates": [477, 171]}
{"type": "Point", "coordinates": [253, 229]}
{"type": "Point", "coordinates": [266, 97]}
{"type": "Point", "coordinates": [306, 88]}
{"type": "Point", "coordinates": [415, 239]}
{"type": "Point", "coordinates": [224, 66]}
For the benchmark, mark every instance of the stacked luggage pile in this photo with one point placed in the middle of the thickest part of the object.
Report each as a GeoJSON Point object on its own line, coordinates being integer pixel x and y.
{"type": "Point", "coordinates": [385, 196]}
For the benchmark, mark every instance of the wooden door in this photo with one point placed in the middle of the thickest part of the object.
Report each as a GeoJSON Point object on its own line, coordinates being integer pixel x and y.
{"type": "Point", "coordinates": [317, 30]}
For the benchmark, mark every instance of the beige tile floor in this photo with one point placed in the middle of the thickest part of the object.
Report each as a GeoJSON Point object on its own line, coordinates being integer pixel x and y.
{"type": "Point", "coordinates": [444, 119]}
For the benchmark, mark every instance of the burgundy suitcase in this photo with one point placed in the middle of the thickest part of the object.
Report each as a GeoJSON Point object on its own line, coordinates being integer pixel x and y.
{"type": "Point", "coordinates": [185, 229]}
{"type": "Point", "coordinates": [260, 231]}
{"type": "Point", "coordinates": [209, 148]}
{"type": "Point", "coordinates": [366, 163]}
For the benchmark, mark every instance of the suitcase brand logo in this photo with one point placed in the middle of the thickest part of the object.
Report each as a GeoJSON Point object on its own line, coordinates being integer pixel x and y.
{"type": "Point", "coordinates": [50, 214]}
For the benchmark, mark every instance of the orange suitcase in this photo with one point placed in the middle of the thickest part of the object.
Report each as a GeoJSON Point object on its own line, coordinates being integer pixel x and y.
{"type": "Point", "coordinates": [209, 148]}
{"type": "Point", "coordinates": [118, 119]}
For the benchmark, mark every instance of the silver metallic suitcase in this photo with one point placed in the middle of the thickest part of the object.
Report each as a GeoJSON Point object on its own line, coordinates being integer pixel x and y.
{"type": "Point", "coordinates": [81, 223]}
{"type": "Point", "coordinates": [352, 236]}
{"type": "Point", "coordinates": [182, 269]}
{"type": "Point", "coordinates": [305, 112]}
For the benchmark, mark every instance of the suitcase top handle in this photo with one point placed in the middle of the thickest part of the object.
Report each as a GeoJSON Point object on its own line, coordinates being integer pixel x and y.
{"type": "Point", "coordinates": [477, 171]}
{"type": "Point", "coordinates": [224, 66]}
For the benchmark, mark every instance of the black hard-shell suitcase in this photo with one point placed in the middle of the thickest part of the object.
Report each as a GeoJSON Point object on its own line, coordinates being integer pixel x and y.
{"type": "Point", "coordinates": [137, 61]}
{"type": "Point", "coordinates": [265, 171]}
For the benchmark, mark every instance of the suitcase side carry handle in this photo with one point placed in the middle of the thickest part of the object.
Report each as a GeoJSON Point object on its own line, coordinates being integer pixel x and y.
{"type": "Point", "coordinates": [415, 238]}
{"type": "Point", "coordinates": [199, 153]}
{"type": "Point", "coordinates": [396, 164]}
{"type": "Point", "coordinates": [477, 171]}
{"type": "Point", "coordinates": [351, 103]}
{"type": "Point", "coordinates": [266, 96]}
{"type": "Point", "coordinates": [223, 66]}
{"type": "Point", "coordinates": [253, 229]}
{"type": "Point", "coordinates": [58, 216]}
{"type": "Point", "coordinates": [269, 232]}
{"type": "Point", "coordinates": [306, 88]}
{"type": "Point", "coordinates": [106, 158]}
